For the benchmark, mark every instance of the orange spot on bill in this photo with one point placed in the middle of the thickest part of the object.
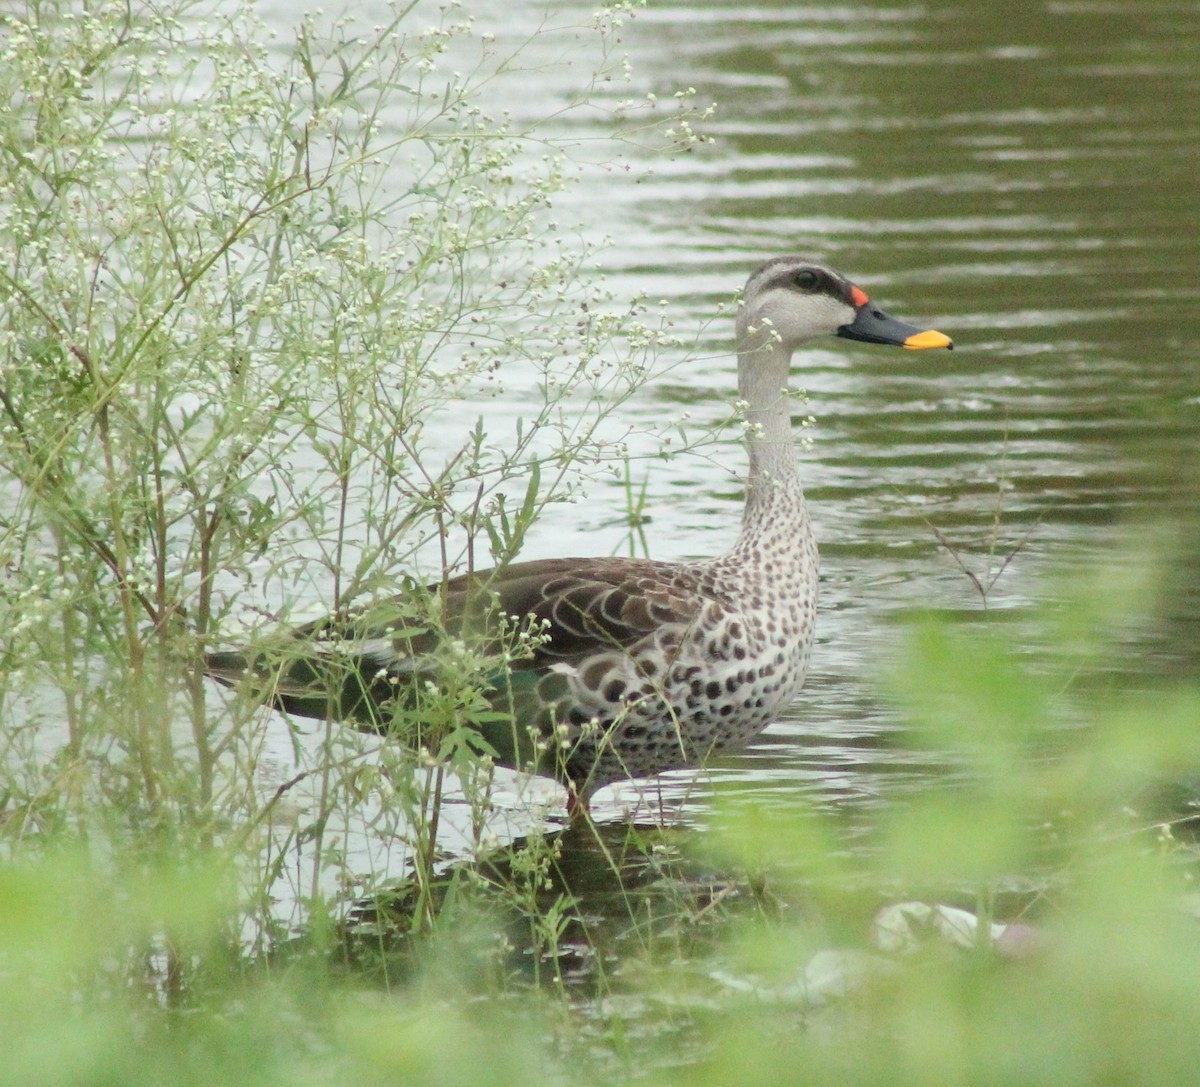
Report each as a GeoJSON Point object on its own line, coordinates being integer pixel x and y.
{"type": "Point", "coordinates": [859, 296]}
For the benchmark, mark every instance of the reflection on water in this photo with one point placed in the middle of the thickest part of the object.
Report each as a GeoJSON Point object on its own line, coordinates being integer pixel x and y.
{"type": "Point", "coordinates": [1022, 179]}
{"type": "Point", "coordinates": [623, 886]}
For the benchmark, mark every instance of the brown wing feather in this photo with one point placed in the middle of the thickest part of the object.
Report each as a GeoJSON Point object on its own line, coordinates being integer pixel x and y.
{"type": "Point", "coordinates": [588, 605]}
{"type": "Point", "coordinates": [585, 606]}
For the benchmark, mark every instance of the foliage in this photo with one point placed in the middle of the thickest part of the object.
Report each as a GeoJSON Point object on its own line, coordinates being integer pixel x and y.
{"type": "Point", "coordinates": [249, 288]}
{"type": "Point", "coordinates": [670, 956]}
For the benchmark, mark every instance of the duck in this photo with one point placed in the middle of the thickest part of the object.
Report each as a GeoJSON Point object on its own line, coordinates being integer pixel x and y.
{"type": "Point", "coordinates": [610, 668]}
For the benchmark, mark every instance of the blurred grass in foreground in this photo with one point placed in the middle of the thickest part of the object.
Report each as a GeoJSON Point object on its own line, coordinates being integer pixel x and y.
{"type": "Point", "coordinates": [123, 972]}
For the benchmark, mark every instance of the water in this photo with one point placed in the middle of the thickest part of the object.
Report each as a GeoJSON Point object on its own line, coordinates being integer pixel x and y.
{"type": "Point", "coordinates": [1023, 181]}
{"type": "Point", "coordinates": [1026, 183]}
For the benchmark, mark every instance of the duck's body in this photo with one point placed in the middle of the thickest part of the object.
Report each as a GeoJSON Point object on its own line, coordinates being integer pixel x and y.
{"type": "Point", "coordinates": [636, 666]}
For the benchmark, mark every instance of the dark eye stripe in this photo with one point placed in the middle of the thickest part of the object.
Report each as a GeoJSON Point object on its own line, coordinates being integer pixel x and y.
{"type": "Point", "coordinates": [826, 282]}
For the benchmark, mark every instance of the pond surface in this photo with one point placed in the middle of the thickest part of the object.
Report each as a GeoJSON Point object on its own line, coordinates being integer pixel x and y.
{"type": "Point", "coordinates": [1023, 180]}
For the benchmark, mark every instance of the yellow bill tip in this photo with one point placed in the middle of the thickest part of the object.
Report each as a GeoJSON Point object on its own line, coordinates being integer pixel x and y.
{"type": "Point", "coordinates": [918, 341]}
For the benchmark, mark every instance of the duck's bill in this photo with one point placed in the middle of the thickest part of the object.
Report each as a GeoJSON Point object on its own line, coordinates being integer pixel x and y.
{"type": "Point", "coordinates": [872, 325]}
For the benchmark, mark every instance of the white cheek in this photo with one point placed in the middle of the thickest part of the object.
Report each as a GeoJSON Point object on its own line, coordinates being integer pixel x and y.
{"type": "Point", "coordinates": [836, 313]}
{"type": "Point", "coordinates": [796, 316]}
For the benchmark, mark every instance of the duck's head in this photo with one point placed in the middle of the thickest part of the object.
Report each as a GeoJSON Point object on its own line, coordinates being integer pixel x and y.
{"type": "Point", "coordinates": [790, 300]}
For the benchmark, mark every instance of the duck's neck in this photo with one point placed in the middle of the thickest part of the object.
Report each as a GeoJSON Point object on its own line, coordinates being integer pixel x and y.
{"type": "Point", "coordinates": [775, 508]}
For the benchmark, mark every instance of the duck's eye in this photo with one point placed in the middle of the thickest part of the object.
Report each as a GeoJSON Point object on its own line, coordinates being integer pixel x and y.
{"type": "Point", "coordinates": [805, 279]}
